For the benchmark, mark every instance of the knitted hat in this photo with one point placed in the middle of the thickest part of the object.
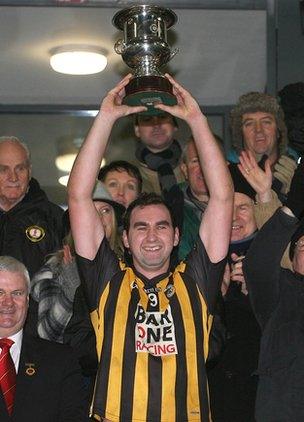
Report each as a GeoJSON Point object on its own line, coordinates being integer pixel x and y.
{"type": "Point", "coordinates": [252, 103]}
{"type": "Point", "coordinates": [292, 102]}
{"type": "Point", "coordinates": [101, 194]}
{"type": "Point", "coordinates": [292, 98]}
{"type": "Point", "coordinates": [240, 183]}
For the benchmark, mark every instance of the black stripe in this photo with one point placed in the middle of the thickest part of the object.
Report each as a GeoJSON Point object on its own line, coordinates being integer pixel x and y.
{"type": "Point", "coordinates": [181, 364]}
{"type": "Point", "coordinates": [129, 362]}
{"type": "Point", "coordinates": [154, 388]}
{"type": "Point", "coordinates": [100, 399]}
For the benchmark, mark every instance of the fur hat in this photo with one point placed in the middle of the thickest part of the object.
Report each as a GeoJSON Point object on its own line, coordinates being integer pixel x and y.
{"type": "Point", "coordinates": [253, 102]}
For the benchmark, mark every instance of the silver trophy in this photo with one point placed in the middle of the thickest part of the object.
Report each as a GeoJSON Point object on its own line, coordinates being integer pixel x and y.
{"type": "Point", "coordinates": [144, 48]}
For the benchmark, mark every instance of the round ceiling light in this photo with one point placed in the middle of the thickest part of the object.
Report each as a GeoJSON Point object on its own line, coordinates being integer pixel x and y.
{"type": "Point", "coordinates": [78, 60]}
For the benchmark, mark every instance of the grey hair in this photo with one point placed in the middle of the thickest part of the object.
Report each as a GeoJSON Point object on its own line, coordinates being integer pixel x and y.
{"type": "Point", "coordinates": [12, 265]}
{"type": "Point", "coordinates": [17, 141]}
{"type": "Point", "coordinates": [184, 156]}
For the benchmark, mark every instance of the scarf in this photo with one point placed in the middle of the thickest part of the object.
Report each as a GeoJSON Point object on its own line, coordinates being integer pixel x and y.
{"type": "Point", "coordinates": [54, 287]}
{"type": "Point", "coordinates": [163, 163]}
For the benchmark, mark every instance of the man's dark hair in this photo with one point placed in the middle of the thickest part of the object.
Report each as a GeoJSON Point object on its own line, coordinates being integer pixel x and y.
{"type": "Point", "coordinates": [144, 200]}
{"type": "Point", "coordinates": [121, 165]}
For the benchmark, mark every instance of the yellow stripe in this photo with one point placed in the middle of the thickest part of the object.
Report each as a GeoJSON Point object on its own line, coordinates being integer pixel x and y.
{"type": "Point", "coordinates": [119, 332]}
{"type": "Point", "coordinates": [140, 392]}
{"type": "Point", "coordinates": [207, 321]}
{"type": "Point", "coordinates": [193, 403]}
{"type": "Point", "coordinates": [168, 388]}
{"type": "Point", "coordinates": [98, 322]}
{"type": "Point", "coordinates": [207, 324]}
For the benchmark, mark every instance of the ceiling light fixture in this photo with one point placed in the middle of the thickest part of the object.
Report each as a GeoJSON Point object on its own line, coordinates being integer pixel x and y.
{"type": "Point", "coordinates": [65, 162]}
{"type": "Point", "coordinates": [78, 59]}
{"type": "Point", "coordinates": [63, 180]}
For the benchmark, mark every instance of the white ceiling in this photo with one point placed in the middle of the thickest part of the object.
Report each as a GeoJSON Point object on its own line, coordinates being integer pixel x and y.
{"type": "Point", "coordinates": [222, 55]}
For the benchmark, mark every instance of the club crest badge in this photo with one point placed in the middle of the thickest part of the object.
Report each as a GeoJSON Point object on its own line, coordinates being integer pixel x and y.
{"type": "Point", "coordinates": [30, 370]}
{"type": "Point", "coordinates": [169, 291]}
{"type": "Point", "coordinates": [35, 233]}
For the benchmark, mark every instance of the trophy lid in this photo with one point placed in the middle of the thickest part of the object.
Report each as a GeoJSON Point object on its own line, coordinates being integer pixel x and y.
{"type": "Point", "coordinates": [167, 15]}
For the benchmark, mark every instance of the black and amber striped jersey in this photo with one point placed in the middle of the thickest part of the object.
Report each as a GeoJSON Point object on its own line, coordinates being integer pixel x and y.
{"type": "Point", "coordinates": [152, 337]}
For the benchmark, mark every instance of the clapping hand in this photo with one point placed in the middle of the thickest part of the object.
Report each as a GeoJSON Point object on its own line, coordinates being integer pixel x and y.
{"type": "Point", "coordinates": [237, 272]}
{"type": "Point", "coordinates": [260, 180]}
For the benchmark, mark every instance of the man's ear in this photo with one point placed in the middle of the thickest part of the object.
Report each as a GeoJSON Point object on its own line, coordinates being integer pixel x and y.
{"type": "Point", "coordinates": [176, 237]}
{"type": "Point", "coordinates": [136, 131]}
{"type": "Point", "coordinates": [125, 239]}
{"type": "Point", "coordinates": [184, 170]}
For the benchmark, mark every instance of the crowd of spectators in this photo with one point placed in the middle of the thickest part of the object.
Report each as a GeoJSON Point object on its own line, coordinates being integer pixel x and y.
{"type": "Point", "coordinates": [171, 289]}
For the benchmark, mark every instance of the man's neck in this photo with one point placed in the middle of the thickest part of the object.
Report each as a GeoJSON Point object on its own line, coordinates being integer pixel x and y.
{"type": "Point", "coordinates": [156, 150]}
{"type": "Point", "coordinates": [273, 157]}
{"type": "Point", "coordinates": [6, 205]}
{"type": "Point", "coordinates": [201, 197]}
{"type": "Point", "coordinates": [150, 273]}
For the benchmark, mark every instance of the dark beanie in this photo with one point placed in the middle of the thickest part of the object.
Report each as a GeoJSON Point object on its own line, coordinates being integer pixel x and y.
{"type": "Point", "coordinates": [240, 183]}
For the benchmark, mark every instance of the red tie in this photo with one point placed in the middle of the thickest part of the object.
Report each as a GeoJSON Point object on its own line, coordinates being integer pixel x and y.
{"type": "Point", "coordinates": [7, 374]}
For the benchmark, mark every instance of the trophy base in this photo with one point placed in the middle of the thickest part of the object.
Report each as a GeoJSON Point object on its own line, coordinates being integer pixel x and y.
{"type": "Point", "coordinates": [148, 91]}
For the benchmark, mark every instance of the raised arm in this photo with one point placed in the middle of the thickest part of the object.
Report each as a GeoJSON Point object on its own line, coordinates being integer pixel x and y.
{"type": "Point", "coordinates": [86, 226]}
{"type": "Point", "coordinates": [215, 227]}
{"type": "Point", "coordinates": [262, 263]}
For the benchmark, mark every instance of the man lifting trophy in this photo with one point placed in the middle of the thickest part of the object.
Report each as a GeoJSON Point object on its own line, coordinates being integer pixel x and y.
{"type": "Point", "coordinates": [145, 49]}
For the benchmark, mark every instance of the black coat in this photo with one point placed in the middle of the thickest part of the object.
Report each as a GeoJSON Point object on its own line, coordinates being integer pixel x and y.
{"type": "Point", "coordinates": [54, 393]}
{"type": "Point", "coordinates": [277, 297]}
{"type": "Point", "coordinates": [17, 239]}
{"type": "Point", "coordinates": [232, 381]}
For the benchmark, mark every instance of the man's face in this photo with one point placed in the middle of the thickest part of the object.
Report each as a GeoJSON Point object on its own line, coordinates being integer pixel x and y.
{"type": "Point", "coordinates": [243, 224]}
{"type": "Point", "coordinates": [156, 132]}
{"type": "Point", "coordinates": [122, 186]}
{"type": "Point", "coordinates": [193, 172]}
{"type": "Point", "coordinates": [298, 258]}
{"type": "Point", "coordinates": [15, 173]}
{"type": "Point", "coordinates": [151, 238]}
{"type": "Point", "coordinates": [259, 133]}
{"type": "Point", "coordinates": [13, 302]}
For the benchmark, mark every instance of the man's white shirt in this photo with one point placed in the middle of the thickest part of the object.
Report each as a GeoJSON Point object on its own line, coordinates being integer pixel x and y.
{"type": "Point", "coordinates": [15, 350]}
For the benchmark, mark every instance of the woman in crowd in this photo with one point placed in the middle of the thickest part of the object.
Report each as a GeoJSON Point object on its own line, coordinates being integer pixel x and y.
{"type": "Point", "coordinates": [54, 286]}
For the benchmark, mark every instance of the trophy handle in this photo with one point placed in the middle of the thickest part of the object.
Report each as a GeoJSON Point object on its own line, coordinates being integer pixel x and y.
{"type": "Point", "coordinates": [119, 46]}
{"type": "Point", "coordinates": [173, 53]}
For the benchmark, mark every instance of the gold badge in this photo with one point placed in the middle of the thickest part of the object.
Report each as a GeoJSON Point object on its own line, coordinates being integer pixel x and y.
{"type": "Point", "coordinates": [31, 369]}
{"type": "Point", "coordinates": [35, 233]}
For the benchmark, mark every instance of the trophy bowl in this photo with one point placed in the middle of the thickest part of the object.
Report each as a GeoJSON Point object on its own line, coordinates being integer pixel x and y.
{"type": "Point", "coordinates": [144, 48]}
